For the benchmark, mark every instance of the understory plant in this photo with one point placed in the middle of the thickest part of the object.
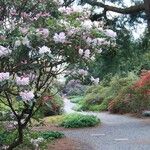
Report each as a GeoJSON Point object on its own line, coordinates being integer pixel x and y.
{"type": "Point", "coordinates": [79, 121]}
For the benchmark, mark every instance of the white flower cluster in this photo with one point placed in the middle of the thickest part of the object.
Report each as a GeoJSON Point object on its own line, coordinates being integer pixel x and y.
{"type": "Point", "coordinates": [110, 33]}
{"type": "Point", "coordinates": [36, 142]}
{"type": "Point", "coordinates": [59, 37]}
{"type": "Point", "coordinates": [85, 54]}
{"type": "Point", "coordinates": [72, 31]}
{"type": "Point", "coordinates": [88, 24]}
{"type": "Point", "coordinates": [44, 49]}
{"type": "Point", "coordinates": [27, 95]}
{"type": "Point", "coordinates": [4, 76]}
{"type": "Point", "coordinates": [4, 51]}
{"type": "Point", "coordinates": [83, 72]}
{"type": "Point", "coordinates": [95, 80]}
{"type": "Point", "coordinates": [25, 41]}
{"type": "Point", "coordinates": [96, 41]}
{"type": "Point", "coordinates": [22, 80]}
{"type": "Point", "coordinates": [70, 10]}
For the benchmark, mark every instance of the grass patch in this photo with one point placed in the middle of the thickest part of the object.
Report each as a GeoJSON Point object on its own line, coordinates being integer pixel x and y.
{"type": "Point", "coordinates": [79, 121]}
{"type": "Point", "coordinates": [54, 119]}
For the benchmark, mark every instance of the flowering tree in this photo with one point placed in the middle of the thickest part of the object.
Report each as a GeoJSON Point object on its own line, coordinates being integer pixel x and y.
{"type": "Point", "coordinates": [39, 40]}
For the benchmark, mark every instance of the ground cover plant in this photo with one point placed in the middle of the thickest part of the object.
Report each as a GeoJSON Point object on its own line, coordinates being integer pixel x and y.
{"type": "Point", "coordinates": [79, 121]}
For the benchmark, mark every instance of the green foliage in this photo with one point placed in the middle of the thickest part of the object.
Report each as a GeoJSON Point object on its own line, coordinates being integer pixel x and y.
{"type": "Point", "coordinates": [51, 135]}
{"type": "Point", "coordinates": [79, 121]}
{"type": "Point", "coordinates": [7, 137]}
{"type": "Point", "coordinates": [54, 119]}
{"type": "Point", "coordinates": [76, 99]}
{"type": "Point", "coordinates": [130, 101]}
{"type": "Point", "coordinates": [98, 97]}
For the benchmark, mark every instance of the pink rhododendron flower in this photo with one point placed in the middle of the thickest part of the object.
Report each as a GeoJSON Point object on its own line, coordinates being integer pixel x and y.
{"type": "Point", "coordinates": [27, 95]}
{"type": "Point", "coordinates": [4, 76]}
{"type": "Point", "coordinates": [60, 38]}
{"type": "Point", "coordinates": [22, 80]}
{"type": "Point", "coordinates": [43, 31]}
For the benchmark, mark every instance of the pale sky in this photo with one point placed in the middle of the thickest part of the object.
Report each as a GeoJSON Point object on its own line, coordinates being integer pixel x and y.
{"type": "Point", "coordinates": [140, 28]}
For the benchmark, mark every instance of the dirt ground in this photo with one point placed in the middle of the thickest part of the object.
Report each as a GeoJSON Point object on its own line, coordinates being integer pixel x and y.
{"type": "Point", "coordinates": [63, 143]}
{"type": "Point", "coordinates": [68, 144]}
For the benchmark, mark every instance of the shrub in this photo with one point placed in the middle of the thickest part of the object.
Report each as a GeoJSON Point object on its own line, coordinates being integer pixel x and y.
{"type": "Point", "coordinates": [120, 104]}
{"type": "Point", "coordinates": [79, 121]}
{"type": "Point", "coordinates": [74, 87]}
{"type": "Point", "coordinates": [133, 99]}
{"type": "Point", "coordinates": [140, 100]}
{"type": "Point", "coordinates": [98, 97]}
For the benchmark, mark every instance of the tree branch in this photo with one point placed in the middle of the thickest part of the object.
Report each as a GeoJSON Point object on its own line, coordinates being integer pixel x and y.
{"type": "Point", "coordinates": [129, 10]}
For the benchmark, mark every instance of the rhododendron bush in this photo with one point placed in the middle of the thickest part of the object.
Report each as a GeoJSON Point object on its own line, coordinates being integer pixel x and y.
{"type": "Point", "coordinates": [39, 40]}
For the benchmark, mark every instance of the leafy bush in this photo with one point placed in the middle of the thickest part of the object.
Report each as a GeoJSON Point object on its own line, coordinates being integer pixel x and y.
{"type": "Point", "coordinates": [98, 97]}
{"type": "Point", "coordinates": [74, 87]}
{"type": "Point", "coordinates": [79, 121]}
{"type": "Point", "coordinates": [120, 104]}
{"type": "Point", "coordinates": [135, 98]}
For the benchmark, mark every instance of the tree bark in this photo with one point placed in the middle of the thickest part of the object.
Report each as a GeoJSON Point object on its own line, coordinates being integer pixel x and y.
{"type": "Point", "coordinates": [127, 10]}
{"type": "Point", "coordinates": [20, 137]}
{"type": "Point", "coordinates": [143, 7]}
{"type": "Point", "coordinates": [147, 11]}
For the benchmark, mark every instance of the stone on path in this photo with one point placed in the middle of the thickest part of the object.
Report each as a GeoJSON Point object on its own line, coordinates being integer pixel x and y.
{"type": "Point", "coordinates": [146, 113]}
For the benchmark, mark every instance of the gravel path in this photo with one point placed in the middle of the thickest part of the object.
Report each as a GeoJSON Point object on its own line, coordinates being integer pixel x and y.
{"type": "Point", "coordinates": [117, 132]}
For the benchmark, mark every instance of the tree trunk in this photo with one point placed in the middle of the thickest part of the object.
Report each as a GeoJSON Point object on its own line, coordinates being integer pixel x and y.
{"type": "Point", "coordinates": [20, 137]}
{"type": "Point", "coordinates": [147, 11]}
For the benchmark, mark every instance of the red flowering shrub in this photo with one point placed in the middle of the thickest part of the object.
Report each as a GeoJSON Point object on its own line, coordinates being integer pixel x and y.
{"type": "Point", "coordinates": [135, 98]}
{"type": "Point", "coordinates": [121, 103]}
{"type": "Point", "coordinates": [143, 82]}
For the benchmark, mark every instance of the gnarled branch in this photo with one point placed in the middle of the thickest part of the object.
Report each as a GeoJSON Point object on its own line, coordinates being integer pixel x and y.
{"type": "Point", "coordinates": [127, 10]}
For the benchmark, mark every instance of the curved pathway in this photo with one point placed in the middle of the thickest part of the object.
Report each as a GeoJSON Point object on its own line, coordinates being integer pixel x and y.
{"type": "Point", "coordinates": [116, 132]}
